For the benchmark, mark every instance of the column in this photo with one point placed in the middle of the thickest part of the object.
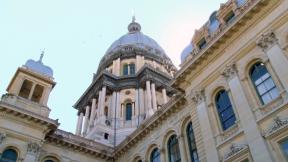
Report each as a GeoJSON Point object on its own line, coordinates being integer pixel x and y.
{"type": "Point", "coordinates": [137, 106]}
{"type": "Point", "coordinates": [154, 99]}
{"type": "Point", "coordinates": [148, 97]}
{"type": "Point", "coordinates": [257, 145]}
{"type": "Point", "coordinates": [32, 91]}
{"type": "Point", "coordinates": [79, 124]}
{"type": "Point", "coordinates": [209, 143]}
{"type": "Point", "coordinates": [118, 109]}
{"type": "Point", "coordinates": [164, 93]}
{"type": "Point", "coordinates": [142, 101]}
{"type": "Point", "coordinates": [45, 96]}
{"type": "Point", "coordinates": [183, 152]}
{"type": "Point", "coordinates": [86, 122]}
{"type": "Point", "coordinates": [269, 44]}
{"type": "Point", "coordinates": [92, 116]}
{"type": "Point", "coordinates": [103, 96]}
{"type": "Point", "coordinates": [113, 105]}
{"type": "Point", "coordinates": [98, 107]}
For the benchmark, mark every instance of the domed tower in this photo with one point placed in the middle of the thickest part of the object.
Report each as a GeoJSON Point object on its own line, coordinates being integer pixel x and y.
{"type": "Point", "coordinates": [131, 84]}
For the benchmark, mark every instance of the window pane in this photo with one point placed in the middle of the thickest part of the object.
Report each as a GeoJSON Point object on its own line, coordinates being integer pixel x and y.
{"type": "Point", "coordinates": [125, 70]}
{"type": "Point", "coordinates": [128, 111]}
{"type": "Point", "coordinates": [266, 98]}
{"type": "Point", "coordinates": [155, 156]}
{"type": "Point", "coordinates": [132, 69]}
{"type": "Point", "coordinates": [192, 143]}
{"type": "Point", "coordinates": [225, 110]}
{"type": "Point", "coordinates": [9, 156]}
{"type": "Point", "coordinates": [274, 93]}
{"type": "Point", "coordinates": [261, 89]}
{"type": "Point", "coordinates": [284, 148]}
{"type": "Point", "coordinates": [173, 148]}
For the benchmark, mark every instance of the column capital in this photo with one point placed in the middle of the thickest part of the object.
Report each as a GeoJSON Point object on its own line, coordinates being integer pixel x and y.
{"type": "Point", "coordinates": [2, 137]}
{"type": "Point", "coordinates": [33, 147]}
{"type": "Point", "coordinates": [267, 40]}
{"type": "Point", "coordinates": [198, 96]}
{"type": "Point", "coordinates": [230, 71]}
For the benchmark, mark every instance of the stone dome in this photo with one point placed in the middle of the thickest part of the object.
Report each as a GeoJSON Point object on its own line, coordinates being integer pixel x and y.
{"type": "Point", "coordinates": [136, 39]}
{"type": "Point", "coordinates": [186, 52]}
{"type": "Point", "coordinates": [39, 67]}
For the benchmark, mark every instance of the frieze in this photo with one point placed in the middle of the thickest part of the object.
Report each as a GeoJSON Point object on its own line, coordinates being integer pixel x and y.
{"type": "Point", "coordinates": [233, 150]}
{"type": "Point", "coordinates": [277, 124]}
{"type": "Point", "coordinates": [267, 40]}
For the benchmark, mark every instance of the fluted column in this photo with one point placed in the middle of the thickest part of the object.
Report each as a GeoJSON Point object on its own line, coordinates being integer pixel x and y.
{"type": "Point", "coordinates": [103, 96]}
{"type": "Point", "coordinates": [164, 93]}
{"type": "Point", "coordinates": [86, 122]}
{"type": "Point", "coordinates": [148, 97]}
{"type": "Point", "coordinates": [257, 145]}
{"type": "Point", "coordinates": [268, 42]}
{"type": "Point", "coordinates": [198, 97]}
{"type": "Point", "coordinates": [79, 124]}
{"type": "Point", "coordinates": [93, 113]}
{"type": "Point", "coordinates": [182, 148]}
{"type": "Point", "coordinates": [154, 99]}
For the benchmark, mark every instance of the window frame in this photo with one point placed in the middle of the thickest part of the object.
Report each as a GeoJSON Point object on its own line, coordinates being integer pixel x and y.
{"type": "Point", "coordinates": [170, 147]}
{"type": "Point", "coordinates": [158, 155]}
{"type": "Point", "coordinates": [9, 148]}
{"type": "Point", "coordinates": [191, 150]}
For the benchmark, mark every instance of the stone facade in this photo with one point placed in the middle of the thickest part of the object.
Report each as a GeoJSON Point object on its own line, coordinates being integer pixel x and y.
{"type": "Point", "coordinates": [250, 34]}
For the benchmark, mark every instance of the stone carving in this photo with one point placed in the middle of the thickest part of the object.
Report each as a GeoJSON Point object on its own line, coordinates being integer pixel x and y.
{"type": "Point", "coordinates": [2, 137]}
{"type": "Point", "coordinates": [230, 71]}
{"type": "Point", "coordinates": [33, 147]}
{"type": "Point", "coordinates": [267, 40]}
{"type": "Point", "coordinates": [234, 149]}
{"type": "Point", "coordinates": [277, 124]}
{"type": "Point", "coordinates": [198, 96]}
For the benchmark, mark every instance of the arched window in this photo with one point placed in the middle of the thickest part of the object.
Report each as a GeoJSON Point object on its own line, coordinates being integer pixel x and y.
{"type": "Point", "coordinates": [125, 69]}
{"type": "Point", "coordinates": [132, 69]}
{"type": "Point", "coordinates": [155, 156]}
{"type": "Point", "coordinates": [9, 155]}
{"type": "Point", "coordinates": [128, 111]}
{"type": "Point", "coordinates": [25, 89]}
{"type": "Point", "coordinates": [263, 83]}
{"type": "Point", "coordinates": [173, 149]}
{"type": "Point", "coordinates": [241, 2]}
{"type": "Point", "coordinates": [213, 23]}
{"type": "Point", "coordinates": [192, 143]}
{"type": "Point", "coordinates": [225, 110]}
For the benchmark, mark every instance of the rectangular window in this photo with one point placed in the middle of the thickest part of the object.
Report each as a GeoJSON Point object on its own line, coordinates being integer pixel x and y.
{"type": "Point", "coordinates": [202, 43]}
{"type": "Point", "coordinates": [230, 17]}
{"type": "Point", "coordinates": [25, 89]}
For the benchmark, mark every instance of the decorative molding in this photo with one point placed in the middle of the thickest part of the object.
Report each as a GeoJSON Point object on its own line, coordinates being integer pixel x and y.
{"type": "Point", "coordinates": [231, 131]}
{"type": "Point", "coordinates": [198, 96]}
{"type": "Point", "coordinates": [277, 124]}
{"type": "Point", "coordinates": [2, 137]}
{"type": "Point", "coordinates": [230, 71]}
{"type": "Point", "coordinates": [233, 150]}
{"type": "Point", "coordinates": [33, 147]}
{"type": "Point", "coordinates": [267, 40]}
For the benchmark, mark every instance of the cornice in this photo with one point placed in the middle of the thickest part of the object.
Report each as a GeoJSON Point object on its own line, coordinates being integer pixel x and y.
{"type": "Point", "coordinates": [116, 83]}
{"type": "Point", "coordinates": [79, 144]}
{"type": "Point", "coordinates": [29, 116]}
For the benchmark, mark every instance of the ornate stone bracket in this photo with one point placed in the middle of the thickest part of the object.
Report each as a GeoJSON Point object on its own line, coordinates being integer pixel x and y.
{"type": "Point", "coordinates": [267, 40]}
{"type": "Point", "coordinates": [233, 150]}
{"type": "Point", "coordinates": [230, 71]}
{"type": "Point", "coordinates": [277, 124]}
{"type": "Point", "coordinates": [33, 148]}
{"type": "Point", "coordinates": [2, 137]}
{"type": "Point", "coordinates": [198, 96]}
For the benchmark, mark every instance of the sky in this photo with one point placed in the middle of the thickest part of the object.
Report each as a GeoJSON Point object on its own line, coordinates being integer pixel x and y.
{"type": "Point", "coordinates": [76, 33]}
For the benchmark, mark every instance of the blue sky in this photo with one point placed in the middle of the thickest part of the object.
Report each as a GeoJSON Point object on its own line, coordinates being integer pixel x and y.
{"type": "Point", "coordinates": [76, 33]}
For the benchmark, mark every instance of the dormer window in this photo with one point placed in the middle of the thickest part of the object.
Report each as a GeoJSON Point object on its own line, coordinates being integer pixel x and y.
{"type": "Point", "coordinates": [240, 3]}
{"type": "Point", "coordinates": [25, 89]}
{"type": "Point", "coordinates": [230, 17]}
{"type": "Point", "coordinates": [213, 23]}
{"type": "Point", "coordinates": [202, 43]}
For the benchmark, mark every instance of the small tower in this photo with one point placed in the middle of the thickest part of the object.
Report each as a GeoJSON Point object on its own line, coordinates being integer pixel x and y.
{"type": "Point", "coordinates": [30, 87]}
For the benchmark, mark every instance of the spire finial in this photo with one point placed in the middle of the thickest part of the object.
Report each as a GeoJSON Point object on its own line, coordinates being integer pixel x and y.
{"type": "Point", "coordinates": [41, 55]}
{"type": "Point", "coordinates": [133, 16]}
{"type": "Point", "coordinates": [134, 26]}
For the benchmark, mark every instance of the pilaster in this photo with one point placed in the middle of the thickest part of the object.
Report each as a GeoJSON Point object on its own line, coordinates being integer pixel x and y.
{"type": "Point", "coordinates": [256, 143]}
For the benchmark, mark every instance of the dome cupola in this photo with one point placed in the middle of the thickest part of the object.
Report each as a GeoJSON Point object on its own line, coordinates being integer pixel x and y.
{"type": "Point", "coordinates": [39, 67]}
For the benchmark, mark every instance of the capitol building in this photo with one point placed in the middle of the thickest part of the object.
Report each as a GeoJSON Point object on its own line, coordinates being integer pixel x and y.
{"type": "Point", "coordinates": [228, 101]}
